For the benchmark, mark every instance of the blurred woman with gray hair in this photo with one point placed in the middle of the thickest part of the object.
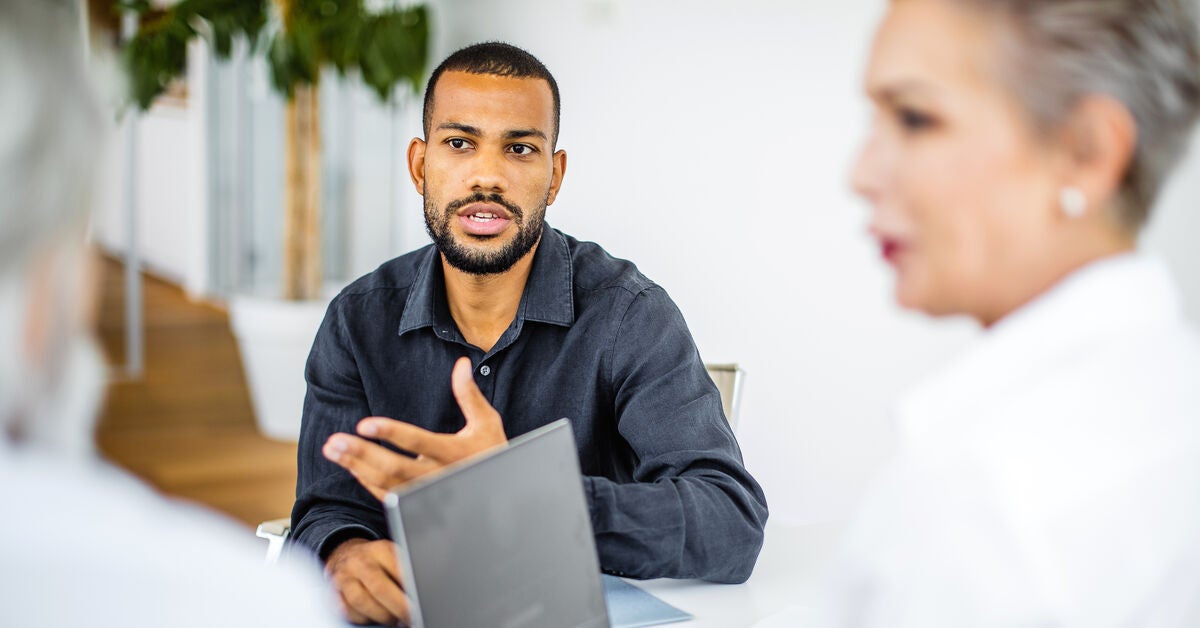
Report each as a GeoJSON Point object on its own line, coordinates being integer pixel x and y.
{"type": "Point", "coordinates": [1052, 476]}
{"type": "Point", "coordinates": [81, 543]}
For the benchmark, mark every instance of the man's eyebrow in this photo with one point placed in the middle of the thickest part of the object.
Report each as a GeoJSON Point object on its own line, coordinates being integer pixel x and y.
{"type": "Point", "coordinates": [456, 126]}
{"type": "Point", "coordinates": [517, 134]}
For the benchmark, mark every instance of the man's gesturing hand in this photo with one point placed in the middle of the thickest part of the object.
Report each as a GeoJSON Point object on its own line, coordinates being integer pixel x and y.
{"type": "Point", "coordinates": [379, 469]}
{"type": "Point", "coordinates": [367, 580]}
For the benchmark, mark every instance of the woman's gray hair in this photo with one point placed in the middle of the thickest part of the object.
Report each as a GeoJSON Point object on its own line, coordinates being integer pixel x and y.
{"type": "Point", "coordinates": [1144, 54]}
{"type": "Point", "coordinates": [51, 123]}
{"type": "Point", "coordinates": [51, 128]}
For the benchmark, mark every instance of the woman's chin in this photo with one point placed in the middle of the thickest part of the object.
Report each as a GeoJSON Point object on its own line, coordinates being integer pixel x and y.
{"type": "Point", "coordinates": [912, 296]}
{"type": "Point", "coordinates": [907, 295]}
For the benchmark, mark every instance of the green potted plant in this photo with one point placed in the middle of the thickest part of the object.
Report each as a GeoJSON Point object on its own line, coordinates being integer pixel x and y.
{"type": "Point", "coordinates": [298, 39]}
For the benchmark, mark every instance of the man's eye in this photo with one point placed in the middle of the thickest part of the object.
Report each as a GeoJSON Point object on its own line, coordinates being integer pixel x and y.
{"type": "Point", "coordinates": [521, 149]}
{"type": "Point", "coordinates": [458, 144]}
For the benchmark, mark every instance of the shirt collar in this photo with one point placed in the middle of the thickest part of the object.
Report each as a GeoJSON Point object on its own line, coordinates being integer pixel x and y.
{"type": "Point", "coordinates": [548, 297]}
{"type": "Point", "coordinates": [1108, 298]}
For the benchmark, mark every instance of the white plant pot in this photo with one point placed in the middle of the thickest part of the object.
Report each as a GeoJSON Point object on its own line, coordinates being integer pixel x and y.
{"type": "Point", "coordinates": [274, 337]}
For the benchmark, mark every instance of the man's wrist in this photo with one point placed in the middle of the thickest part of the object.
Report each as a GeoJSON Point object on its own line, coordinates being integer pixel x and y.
{"type": "Point", "coordinates": [339, 537]}
{"type": "Point", "coordinates": [343, 547]}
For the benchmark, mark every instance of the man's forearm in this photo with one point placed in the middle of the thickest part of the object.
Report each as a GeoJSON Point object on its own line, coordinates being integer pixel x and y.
{"type": "Point", "coordinates": [706, 527]}
{"type": "Point", "coordinates": [321, 528]}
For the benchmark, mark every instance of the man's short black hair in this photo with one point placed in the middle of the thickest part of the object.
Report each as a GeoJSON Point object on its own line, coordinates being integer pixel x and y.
{"type": "Point", "coordinates": [495, 58]}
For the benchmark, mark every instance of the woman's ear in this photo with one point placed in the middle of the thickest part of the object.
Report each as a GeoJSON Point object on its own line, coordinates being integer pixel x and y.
{"type": "Point", "coordinates": [1100, 139]}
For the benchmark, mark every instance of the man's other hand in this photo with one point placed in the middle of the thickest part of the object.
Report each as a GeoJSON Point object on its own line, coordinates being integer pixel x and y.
{"type": "Point", "coordinates": [367, 580]}
{"type": "Point", "coordinates": [380, 469]}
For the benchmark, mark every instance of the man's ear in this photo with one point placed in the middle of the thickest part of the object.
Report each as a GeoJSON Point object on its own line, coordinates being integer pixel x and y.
{"type": "Point", "coordinates": [416, 164]}
{"type": "Point", "coordinates": [1100, 139]}
{"type": "Point", "coordinates": [556, 178]}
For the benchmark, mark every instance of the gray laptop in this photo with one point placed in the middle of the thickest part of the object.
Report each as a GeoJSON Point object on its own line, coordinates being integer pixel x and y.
{"type": "Point", "coordinates": [501, 540]}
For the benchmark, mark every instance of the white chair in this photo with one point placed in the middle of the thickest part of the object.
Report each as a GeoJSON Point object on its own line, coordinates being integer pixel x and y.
{"type": "Point", "coordinates": [727, 377]}
{"type": "Point", "coordinates": [275, 531]}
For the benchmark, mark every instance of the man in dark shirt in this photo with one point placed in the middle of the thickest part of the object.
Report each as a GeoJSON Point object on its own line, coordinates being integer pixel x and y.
{"type": "Point", "coordinates": [529, 325]}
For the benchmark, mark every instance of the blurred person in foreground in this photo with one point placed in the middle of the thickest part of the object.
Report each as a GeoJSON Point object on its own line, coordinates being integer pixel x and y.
{"type": "Point", "coordinates": [81, 543]}
{"type": "Point", "coordinates": [1052, 476]}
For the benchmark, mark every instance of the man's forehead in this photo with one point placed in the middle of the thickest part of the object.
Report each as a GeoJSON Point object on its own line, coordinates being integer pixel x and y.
{"type": "Point", "coordinates": [475, 99]}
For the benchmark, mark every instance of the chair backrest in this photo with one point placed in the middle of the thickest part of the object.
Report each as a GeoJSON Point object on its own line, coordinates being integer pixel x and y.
{"type": "Point", "coordinates": [728, 378]}
{"type": "Point", "coordinates": [276, 532]}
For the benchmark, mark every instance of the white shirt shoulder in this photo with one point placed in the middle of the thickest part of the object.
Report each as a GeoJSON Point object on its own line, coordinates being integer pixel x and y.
{"type": "Point", "coordinates": [1052, 477]}
{"type": "Point", "coordinates": [82, 543]}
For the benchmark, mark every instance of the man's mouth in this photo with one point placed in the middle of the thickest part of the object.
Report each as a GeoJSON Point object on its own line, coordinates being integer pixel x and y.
{"type": "Point", "coordinates": [483, 219]}
{"type": "Point", "coordinates": [483, 216]}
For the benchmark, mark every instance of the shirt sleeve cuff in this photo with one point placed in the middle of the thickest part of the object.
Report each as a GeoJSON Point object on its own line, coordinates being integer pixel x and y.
{"type": "Point", "coordinates": [340, 534]}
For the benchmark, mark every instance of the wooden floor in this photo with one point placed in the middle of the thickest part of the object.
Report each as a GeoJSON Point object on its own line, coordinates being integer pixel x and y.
{"type": "Point", "coordinates": [187, 426]}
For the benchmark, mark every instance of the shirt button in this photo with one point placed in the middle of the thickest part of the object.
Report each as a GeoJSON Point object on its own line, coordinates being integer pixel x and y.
{"type": "Point", "coordinates": [485, 370]}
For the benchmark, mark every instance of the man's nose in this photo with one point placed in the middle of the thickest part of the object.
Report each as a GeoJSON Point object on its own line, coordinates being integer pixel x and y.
{"type": "Point", "coordinates": [488, 175]}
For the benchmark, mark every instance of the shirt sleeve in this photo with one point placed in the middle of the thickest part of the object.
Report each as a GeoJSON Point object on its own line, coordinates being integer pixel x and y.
{"type": "Point", "coordinates": [692, 509]}
{"type": "Point", "coordinates": [331, 506]}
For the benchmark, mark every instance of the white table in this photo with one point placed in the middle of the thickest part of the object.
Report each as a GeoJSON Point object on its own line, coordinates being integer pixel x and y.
{"type": "Point", "coordinates": [789, 573]}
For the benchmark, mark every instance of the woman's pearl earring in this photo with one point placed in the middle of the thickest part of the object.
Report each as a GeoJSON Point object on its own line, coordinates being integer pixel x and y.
{"type": "Point", "coordinates": [1072, 201]}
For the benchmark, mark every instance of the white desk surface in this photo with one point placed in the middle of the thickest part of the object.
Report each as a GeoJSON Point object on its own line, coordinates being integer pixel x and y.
{"type": "Point", "coordinates": [789, 573]}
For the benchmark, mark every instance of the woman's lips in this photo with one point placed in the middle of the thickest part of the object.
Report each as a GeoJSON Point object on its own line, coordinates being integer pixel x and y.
{"type": "Point", "coordinates": [891, 249]}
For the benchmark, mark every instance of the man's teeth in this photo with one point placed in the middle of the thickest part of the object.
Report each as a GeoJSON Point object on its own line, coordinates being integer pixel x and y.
{"type": "Point", "coordinates": [483, 216]}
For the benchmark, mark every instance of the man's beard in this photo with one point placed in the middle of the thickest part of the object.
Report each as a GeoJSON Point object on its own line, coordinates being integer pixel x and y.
{"type": "Point", "coordinates": [476, 262]}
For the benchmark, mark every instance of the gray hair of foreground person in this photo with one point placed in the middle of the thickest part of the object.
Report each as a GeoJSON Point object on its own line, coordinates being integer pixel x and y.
{"type": "Point", "coordinates": [1144, 54]}
{"type": "Point", "coordinates": [51, 125]}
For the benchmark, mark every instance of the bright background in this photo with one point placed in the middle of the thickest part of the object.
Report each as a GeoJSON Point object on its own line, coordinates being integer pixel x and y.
{"type": "Point", "coordinates": [709, 142]}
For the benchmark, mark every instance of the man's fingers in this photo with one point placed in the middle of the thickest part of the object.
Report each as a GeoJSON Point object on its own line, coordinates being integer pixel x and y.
{"type": "Point", "coordinates": [388, 594]}
{"type": "Point", "coordinates": [364, 574]}
{"type": "Point", "coordinates": [382, 580]}
{"type": "Point", "coordinates": [361, 603]}
{"type": "Point", "coordinates": [350, 614]}
{"type": "Point", "coordinates": [376, 467]}
{"type": "Point", "coordinates": [384, 555]}
{"type": "Point", "coordinates": [380, 469]}
{"type": "Point", "coordinates": [474, 405]}
{"type": "Point", "coordinates": [406, 436]}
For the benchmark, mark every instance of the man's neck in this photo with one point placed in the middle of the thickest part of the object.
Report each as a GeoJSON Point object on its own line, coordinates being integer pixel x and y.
{"type": "Point", "coordinates": [483, 306]}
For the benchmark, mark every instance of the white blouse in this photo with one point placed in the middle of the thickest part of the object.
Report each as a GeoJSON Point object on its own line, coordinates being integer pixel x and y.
{"type": "Point", "coordinates": [85, 544]}
{"type": "Point", "coordinates": [1050, 478]}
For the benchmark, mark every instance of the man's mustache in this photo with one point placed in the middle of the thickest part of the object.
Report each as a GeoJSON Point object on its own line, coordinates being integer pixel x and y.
{"type": "Point", "coordinates": [480, 197]}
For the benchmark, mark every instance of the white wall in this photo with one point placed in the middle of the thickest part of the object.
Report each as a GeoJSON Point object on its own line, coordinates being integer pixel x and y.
{"type": "Point", "coordinates": [170, 192]}
{"type": "Point", "coordinates": [710, 143]}
{"type": "Point", "coordinates": [1175, 225]}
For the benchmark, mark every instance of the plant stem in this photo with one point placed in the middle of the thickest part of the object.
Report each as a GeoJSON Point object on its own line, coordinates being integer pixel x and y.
{"type": "Point", "coordinates": [302, 197]}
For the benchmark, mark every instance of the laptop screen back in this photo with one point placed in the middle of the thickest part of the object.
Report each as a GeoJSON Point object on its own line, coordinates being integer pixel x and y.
{"type": "Point", "coordinates": [503, 540]}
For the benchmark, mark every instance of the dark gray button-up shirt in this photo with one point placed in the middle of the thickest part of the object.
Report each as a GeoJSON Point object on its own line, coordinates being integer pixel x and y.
{"type": "Point", "coordinates": [593, 340]}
